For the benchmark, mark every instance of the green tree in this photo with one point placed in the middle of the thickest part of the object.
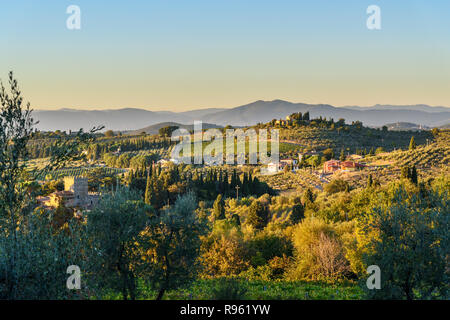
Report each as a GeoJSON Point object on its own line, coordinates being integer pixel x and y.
{"type": "Point", "coordinates": [412, 144]}
{"type": "Point", "coordinates": [336, 185]}
{"type": "Point", "coordinates": [369, 181]}
{"type": "Point", "coordinates": [115, 230]}
{"type": "Point", "coordinates": [235, 220]}
{"type": "Point", "coordinates": [298, 213]}
{"type": "Point", "coordinates": [174, 246]}
{"type": "Point", "coordinates": [167, 131]}
{"type": "Point", "coordinates": [31, 252]}
{"type": "Point", "coordinates": [328, 154]}
{"type": "Point", "coordinates": [219, 208]}
{"type": "Point", "coordinates": [342, 155]}
{"type": "Point", "coordinates": [155, 194]}
{"type": "Point", "coordinates": [308, 197]}
{"type": "Point", "coordinates": [405, 172]}
{"type": "Point", "coordinates": [258, 215]}
{"type": "Point", "coordinates": [414, 178]}
{"type": "Point", "coordinates": [319, 252]}
{"type": "Point", "coordinates": [306, 116]}
{"type": "Point", "coordinates": [412, 246]}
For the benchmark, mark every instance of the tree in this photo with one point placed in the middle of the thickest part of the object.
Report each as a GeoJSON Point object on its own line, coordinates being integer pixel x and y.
{"type": "Point", "coordinates": [235, 220]}
{"type": "Point", "coordinates": [224, 255]}
{"type": "Point", "coordinates": [155, 194]}
{"type": "Point", "coordinates": [336, 185]}
{"type": "Point", "coordinates": [258, 215]}
{"type": "Point", "coordinates": [298, 213]}
{"type": "Point", "coordinates": [342, 156]}
{"type": "Point", "coordinates": [435, 132]}
{"type": "Point", "coordinates": [412, 144]}
{"type": "Point", "coordinates": [328, 154]}
{"type": "Point", "coordinates": [167, 131]}
{"type": "Point", "coordinates": [219, 208]}
{"type": "Point", "coordinates": [30, 250]}
{"type": "Point", "coordinates": [115, 230]}
{"type": "Point", "coordinates": [410, 173]}
{"type": "Point", "coordinates": [109, 133]}
{"type": "Point", "coordinates": [414, 178]}
{"type": "Point", "coordinates": [173, 246]}
{"type": "Point", "coordinates": [405, 172]}
{"type": "Point", "coordinates": [148, 190]}
{"type": "Point", "coordinates": [319, 252]}
{"type": "Point", "coordinates": [308, 197]}
{"type": "Point", "coordinates": [411, 247]}
{"type": "Point", "coordinates": [369, 181]}
{"type": "Point", "coordinates": [306, 116]}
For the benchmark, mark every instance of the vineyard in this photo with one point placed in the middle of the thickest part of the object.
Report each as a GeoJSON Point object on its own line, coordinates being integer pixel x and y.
{"type": "Point", "coordinates": [351, 139]}
{"type": "Point", "coordinates": [436, 154]}
{"type": "Point", "coordinates": [77, 172]}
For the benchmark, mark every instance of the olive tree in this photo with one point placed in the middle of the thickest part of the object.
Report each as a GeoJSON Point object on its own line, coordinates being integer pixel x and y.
{"type": "Point", "coordinates": [173, 246]}
{"type": "Point", "coordinates": [115, 229]}
{"type": "Point", "coordinates": [26, 244]}
{"type": "Point", "coordinates": [411, 247]}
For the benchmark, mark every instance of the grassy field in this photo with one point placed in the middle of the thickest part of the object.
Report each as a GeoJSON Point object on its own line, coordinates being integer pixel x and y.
{"type": "Point", "coordinates": [266, 290]}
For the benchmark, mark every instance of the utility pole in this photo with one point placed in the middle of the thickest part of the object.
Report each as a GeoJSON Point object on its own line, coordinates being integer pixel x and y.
{"type": "Point", "coordinates": [237, 192]}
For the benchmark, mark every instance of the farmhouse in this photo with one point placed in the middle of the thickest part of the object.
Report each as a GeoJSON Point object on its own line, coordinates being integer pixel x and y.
{"type": "Point", "coordinates": [350, 165]}
{"type": "Point", "coordinates": [332, 166]}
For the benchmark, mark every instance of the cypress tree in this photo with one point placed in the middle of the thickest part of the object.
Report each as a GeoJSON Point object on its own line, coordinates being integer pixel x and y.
{"type": "Point", "coordinates": [414, 178]}
{"type": "Point", "coordinates": [369, 181]}
{"type": "Point", "coordinates": [219, 208]}
{"type": "Point", "coordinates": [148, 191]}
{"type": "Point", "coordinates": [342, 156]}
{"type": "Point", "coordinates": [412, 144]}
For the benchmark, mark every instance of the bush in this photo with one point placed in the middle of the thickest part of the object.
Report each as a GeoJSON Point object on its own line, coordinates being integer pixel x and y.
{"type": "Point", "coordinates": [336, 186]}
{"type": "Point", "coordinates": [319, 252]}
{"type": "Point", "coordinates": [228, 289]}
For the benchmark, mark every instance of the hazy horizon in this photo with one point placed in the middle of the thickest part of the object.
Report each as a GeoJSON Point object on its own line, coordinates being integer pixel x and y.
{"type": "Point", "coordinates": [169, 109]}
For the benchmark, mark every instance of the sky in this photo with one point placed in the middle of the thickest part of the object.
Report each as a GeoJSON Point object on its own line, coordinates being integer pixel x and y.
{"type": "Point", "coordinates": [179, 55]}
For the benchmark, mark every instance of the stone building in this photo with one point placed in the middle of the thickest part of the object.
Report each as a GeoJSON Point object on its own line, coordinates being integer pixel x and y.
{"type": "Point", "coordinates": [79, 188]}
{"type": "Point", "coordinates": [74, 195]}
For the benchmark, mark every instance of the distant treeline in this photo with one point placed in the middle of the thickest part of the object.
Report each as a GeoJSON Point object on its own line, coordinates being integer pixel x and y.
{"type": "Point", "coordinates": [43, 147]}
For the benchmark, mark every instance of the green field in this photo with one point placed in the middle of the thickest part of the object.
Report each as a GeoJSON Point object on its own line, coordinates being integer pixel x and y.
{"type": "Point", "coordinates": [266, 290]}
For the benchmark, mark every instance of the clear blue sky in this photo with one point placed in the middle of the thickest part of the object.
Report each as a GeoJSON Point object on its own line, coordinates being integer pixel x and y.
{"type": "Point", "coordinates": [179, 54]}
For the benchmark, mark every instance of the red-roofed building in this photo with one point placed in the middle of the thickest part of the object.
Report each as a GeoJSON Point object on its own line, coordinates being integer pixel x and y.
{"type": "Point", "coordinates": [351, 165]}
{"type": "Point", "coordinates": [331, 166]}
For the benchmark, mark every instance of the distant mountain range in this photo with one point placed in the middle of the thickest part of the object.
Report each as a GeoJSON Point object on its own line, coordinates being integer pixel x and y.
{"type": "Point", "coordinates": [130, 119]}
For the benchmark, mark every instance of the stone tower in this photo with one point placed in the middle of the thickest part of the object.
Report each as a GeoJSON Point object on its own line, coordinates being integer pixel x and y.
{"type": "Point", "coordinates": [79, 187]}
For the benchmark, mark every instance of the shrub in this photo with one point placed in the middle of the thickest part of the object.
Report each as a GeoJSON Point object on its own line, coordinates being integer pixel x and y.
{"type": "Point", "coordinates": [337, 185]}
{"type": "Point", "coordinates": [319, 252]}
{"type": "Point", "coordinates": [228, 289]}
